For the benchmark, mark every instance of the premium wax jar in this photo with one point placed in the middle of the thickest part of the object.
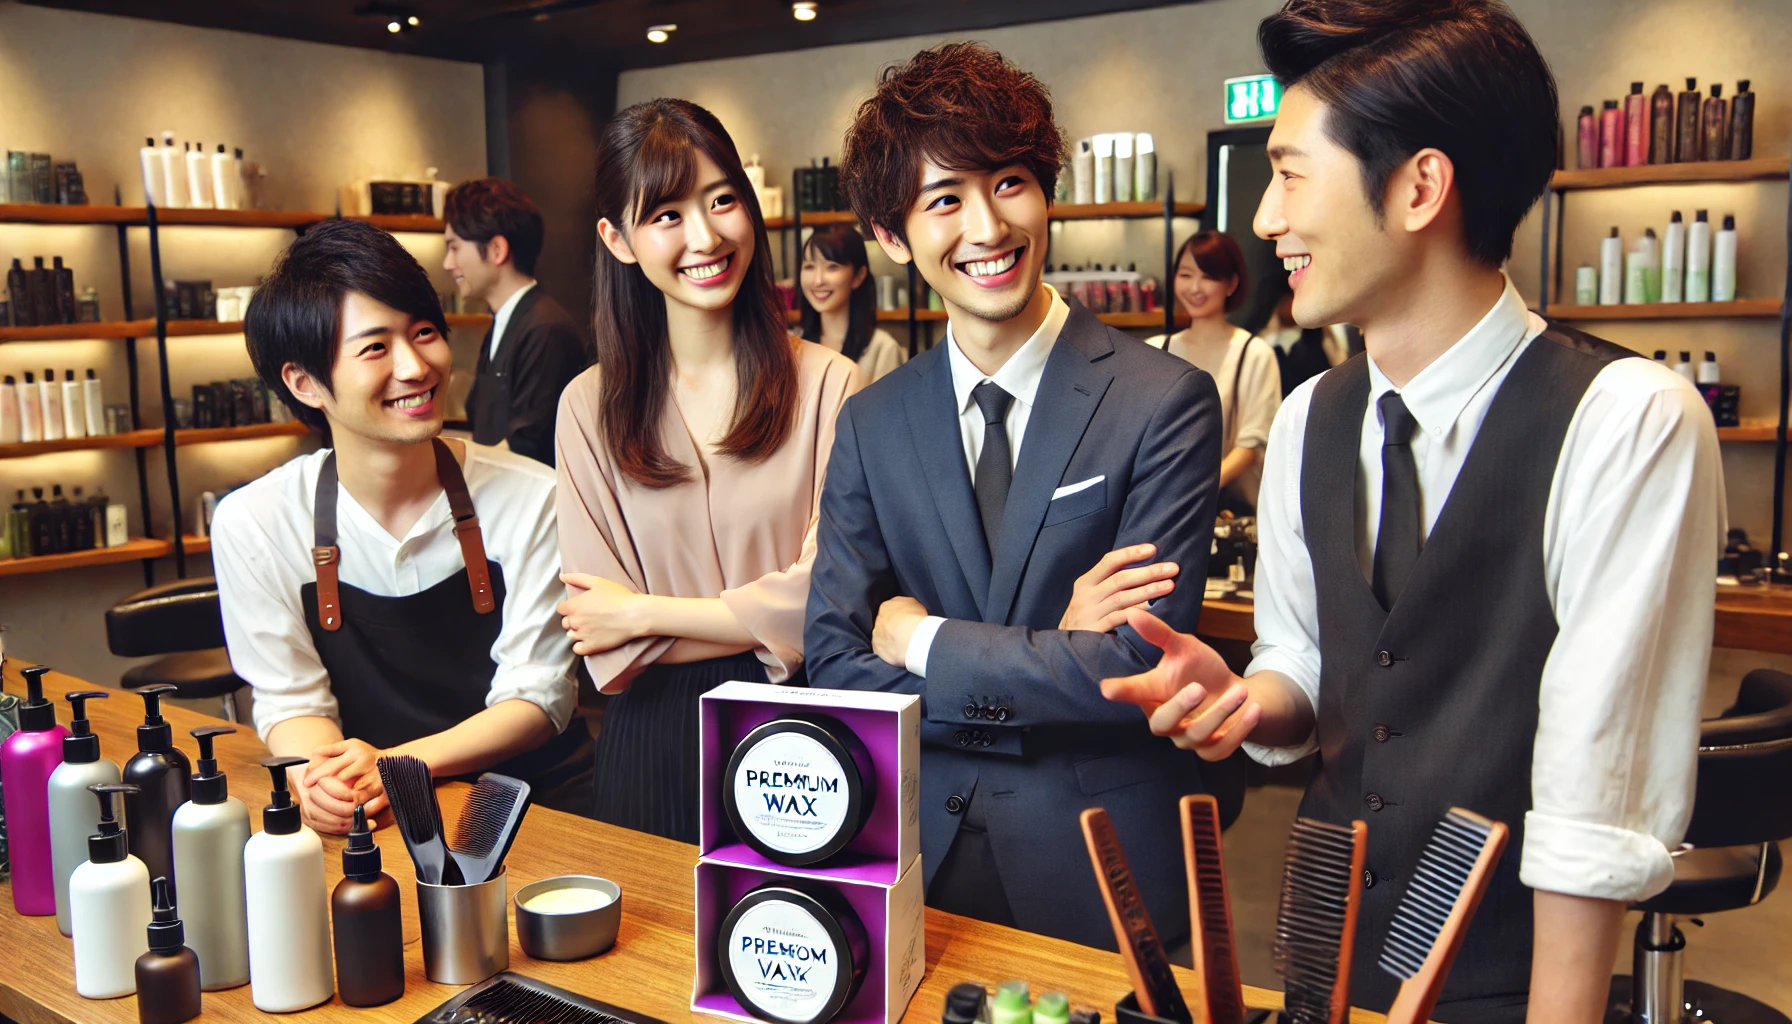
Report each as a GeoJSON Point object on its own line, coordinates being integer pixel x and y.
{"type": "Point", "coordinates": [793, 952]}
{"type": "Point", "coordinates": [799, 788]}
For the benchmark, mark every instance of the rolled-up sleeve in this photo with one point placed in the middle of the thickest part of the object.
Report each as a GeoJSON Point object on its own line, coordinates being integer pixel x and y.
{"type": "Point", "coordinates": [1630, 551]}
{"type": "Point", "coordinates": [533, 654]}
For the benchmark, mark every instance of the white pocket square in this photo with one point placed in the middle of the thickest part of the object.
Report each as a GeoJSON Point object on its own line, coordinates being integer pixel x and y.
{"type": "Point", "coordinates": [1069, 489]}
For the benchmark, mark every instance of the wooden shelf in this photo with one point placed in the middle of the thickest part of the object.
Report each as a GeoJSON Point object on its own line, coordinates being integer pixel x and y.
{"type": "Point", "coordinates": [1669, 310]}
{"type": "Point", "coordinates": [1121, 211]}
{"type": "Point", "coordinates": [81, 332]}
{"type": "Point", "coordinates": [1706, 172]}
{"type": "Point", "coordinates": [129, 439]}
{"type": "Point", "coordinates": [208, 435]}
{"type": "Point", "coordinates": [1153, 320]}
{"type": "Point", "coordinates": [132, 550]}
{"type": "Point", "coordinates": [883, 315]}
{"type": "Point", "coordinates": [812, 219]}
{"type": "Point", "coordinates": [52, 213]}
{"type": "Point", "coordinates": [1751, 430]}
{"type": "Point", "coordinates": [478, 321]}
{"type": "Point", "coordinates": [45, 213]}
{"type": "Point", "coordinates": [195, 544]}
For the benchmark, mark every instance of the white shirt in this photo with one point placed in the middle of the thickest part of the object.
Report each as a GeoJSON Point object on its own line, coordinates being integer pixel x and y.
{"type": "Point", "coordinates": [1242, 371]}
{"type": "Point", "coordinates": [1020, 377]}
{"type": "Point", "coordinates": [1632, 531]}
{"type": "Point", "coordinates": [261, 551]}
{"type": "Point", "coordinates": [501, 319]}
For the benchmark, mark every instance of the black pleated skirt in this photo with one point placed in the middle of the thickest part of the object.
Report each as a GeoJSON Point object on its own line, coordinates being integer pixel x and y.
{"type": "Point", "coordinates": [647, 748]}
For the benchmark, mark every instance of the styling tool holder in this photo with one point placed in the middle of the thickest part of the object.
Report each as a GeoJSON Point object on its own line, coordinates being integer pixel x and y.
{"type": "Point", "coordinates": [510, 998]}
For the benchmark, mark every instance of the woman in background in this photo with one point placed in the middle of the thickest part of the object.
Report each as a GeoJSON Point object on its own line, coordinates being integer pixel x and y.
{"type": "Point", "coordinates": [839, 302]}
{"type": "Point", "coordinates": [1210, 283]}
{"type": "Point", "coordinates": [690, 459]}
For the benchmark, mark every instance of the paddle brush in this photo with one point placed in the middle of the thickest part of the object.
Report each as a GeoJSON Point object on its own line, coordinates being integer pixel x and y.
{"type": "Point", "coordinates": [412, 793]}
{"type": "Point", "coordinates": [488, 825]}
{"type": "Point", "coordinates": [1434, 912]}
{"type": "Point", "coordinates": [1316, 924]}
{"type": "Point", "coordinates": [1149, 969]}
{"type": "Point", "coordinates": [1210, 911]}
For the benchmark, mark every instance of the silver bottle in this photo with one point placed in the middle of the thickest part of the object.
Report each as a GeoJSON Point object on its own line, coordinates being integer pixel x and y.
{"type": "Point", "coordinates": [209, 833]}
{"type": "Point", "coordinates": [71, 803]}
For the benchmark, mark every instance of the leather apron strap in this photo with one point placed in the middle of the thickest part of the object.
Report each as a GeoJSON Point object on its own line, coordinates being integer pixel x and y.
{"type": "Point", "coordinates": [327, 556]}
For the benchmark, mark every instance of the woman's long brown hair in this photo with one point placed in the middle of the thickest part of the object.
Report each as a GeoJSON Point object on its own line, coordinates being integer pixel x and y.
{"type": "Point", "coordinates": [646, 156]}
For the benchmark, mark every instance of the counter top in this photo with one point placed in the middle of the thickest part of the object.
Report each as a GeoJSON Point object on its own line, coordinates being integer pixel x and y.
{"type": "Point", "coordinates": [649, 971]}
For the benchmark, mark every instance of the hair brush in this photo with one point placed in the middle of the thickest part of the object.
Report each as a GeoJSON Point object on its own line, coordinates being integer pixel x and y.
{"type": "Point", "coordinates": [488, 825]}
{"type": "Point", "coordinates": [412, 793]}
{"type": "Point", "coordinates": [1210, 911]}
{"type": "Point", "coordinates": [1316, 923]}
{"type": "Point", "coordinates": [1152, 983]}
{"type": "Point", "coordinates": [1434, 911]}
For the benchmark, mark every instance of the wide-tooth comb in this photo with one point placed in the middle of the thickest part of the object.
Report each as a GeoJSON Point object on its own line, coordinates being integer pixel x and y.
{"type": "Point", "coordinates": [1434, 911]}
{"type": "Point", "coordinates": [488, 825]}
{"type": "Point", "coordinates": [1210, 911]}
{"type": "Point", "coordinates": [1153, 985]}
{"type": "Point", "coordinates": [412, 793]}
{"type": "Point", "coordinates": [1316, 923]}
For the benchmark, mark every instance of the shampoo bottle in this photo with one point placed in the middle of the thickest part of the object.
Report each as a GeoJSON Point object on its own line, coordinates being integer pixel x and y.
{"type": "Point", "coordinates": [74, 413]}
{"type": "Point", "coordinates": [18, 293]}
{"type": "Point", "coordinates": [1123, 167]}
{"type": "Point", "coordinates": [1698, 259]}
{"type": "Point", "coordinates": [93, 403]}
{"type": "Point", "coordinates": [167, 975]}
{"type": "Point", "coordinates": [1716, 121]}
{"type": "Point", "coordinates": [159, 771]}
{"type": "Point", "coordinates": [209, 834]}
{"type": "Point", "coordinates": [1611, 135]}
{"type": "Point", "coordinates": [1082, 162]}
{"type": "Point", "coordinates": [174, 174]}
{"type": "Point", "coordinates": [223, 173]}
{"type": "Point", "coordinates": [1684, 367]}
{"type": "Point", "coordinates": [71, 799]}
{"type": "Point", "coordinates": [1144, 168]}
{"type": "Point", "coordinates": [31, 410]}
{"type": "Point", "coordinates": [1742, 123]}
{"type": "Point", "coordinates": [49, 397]}
{"type": "Point", "coordinates": [1587, 153]}
{"type": "Point", "coordinates": [109, 898]}
{"type": "Point", "coordinates": [289, 918]}
{"type": "Point", "coordinates": [1104, 168]}
{"type": "Point", "coordinates": [151, 159]}
{"type": "Point", "coordinates": [1723, 262]}
{"type": "Point", "coordinates": [1673, 260]}
{"type": "Point", "coordinates": [1686, 125]}
{"type": "Point", "coordinates": [1661, 125]}
{"type": "Point", "coordinates": [1708, 372]}
{"type": "Point", "coordinates": [368, 931]}
{"type": "Point", "coordinates": [1636, 126]}
{"type": "Point", "coordinates": [63, 280]}
{"type": "Point", "coordinates": [9, 411]}
{"type": "Point", "coordinates": [1611, 270]}
{"type": "Point", "coordinates": [199, 178]}
{"type": "Point", "coordinates": [27, 760]}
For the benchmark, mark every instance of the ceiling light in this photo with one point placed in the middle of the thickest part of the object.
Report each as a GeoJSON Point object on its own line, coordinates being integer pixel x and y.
{"type": "Point", "coordinates": [413, 21]}
{"type": "Point", "coordinates": [393, 26]}
{"type": "Point", "coordinates": [803, 10]}
{"type": "Point", "coordinates": [660, 33]}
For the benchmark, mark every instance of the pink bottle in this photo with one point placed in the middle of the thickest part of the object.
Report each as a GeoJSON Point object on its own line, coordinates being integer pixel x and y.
{"type": "Point", "coordinates": [26, 760]}
{"type": "Point", "coordinates": [1611, 135]}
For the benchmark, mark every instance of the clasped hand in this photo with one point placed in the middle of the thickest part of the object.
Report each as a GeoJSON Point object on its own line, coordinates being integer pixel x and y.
{"type": "Point", "coordinates": [600, 615]}
{"type": "Point", "coordinates": [340, 777]}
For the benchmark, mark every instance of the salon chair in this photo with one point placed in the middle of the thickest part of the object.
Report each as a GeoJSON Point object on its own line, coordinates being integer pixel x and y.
{"type": "Point", "coordinates": [180, 620]}
{"type": "Point", "coordinates": [1731, 859]}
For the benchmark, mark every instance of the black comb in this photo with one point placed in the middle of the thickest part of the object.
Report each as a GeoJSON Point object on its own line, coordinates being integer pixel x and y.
{"type": "Point", "coordinates": [1316, 922]}
{"type": "Point", "coordinates": [1434, 911]}
{"type": "Point", "coordinates": [488, 825]}
{"type": "Point", "coordinates": [509, 998]}
{"type": "Point", "coordinates": [412, 793]}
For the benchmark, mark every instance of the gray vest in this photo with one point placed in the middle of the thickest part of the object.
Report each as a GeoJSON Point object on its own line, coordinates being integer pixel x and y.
{"type": "Point", "coordinates": [1434, 703]}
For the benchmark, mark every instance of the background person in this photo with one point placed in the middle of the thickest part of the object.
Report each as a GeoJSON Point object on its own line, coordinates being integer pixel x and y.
{"type": "Point", "coordinates": [839, 302]}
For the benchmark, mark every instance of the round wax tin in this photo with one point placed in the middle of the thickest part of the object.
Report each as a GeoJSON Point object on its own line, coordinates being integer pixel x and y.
{"type": "Point", "coordinates": [799, 788]}
{"type": "Point", "coordinates": [793, 952]}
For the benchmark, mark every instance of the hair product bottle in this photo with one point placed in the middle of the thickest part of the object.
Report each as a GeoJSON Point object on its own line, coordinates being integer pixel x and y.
{"type": "Point", "coordinates": [18, 293]}
{"type": "Point", "coordinates": [41, 288]}
{"type": "Point", "coordinates": [289, 917]}
{"type": "Point", "coordinates": [168, 974]}
{"type": "Point", "coordinates": [49, 399]}
{"type": "Point", "coordinates": [1742, 123]}
{"type": "Point", "coordinates": [1611, 270]}
{"type": "Point", "coordinates": [31, 410]}
{"type": "Point", "coordinates": [1684, 366]}
{"type": "Point", "coordinates": [159, 771]}
{"type": "Point", "coordinates": [71, 800]}
{"type": "Point", "coordinates": [1144, 166]}
{"type": "Point", "coordinates": [1661, 125]}
{"type": "Point", "coordinates": [27, 760]}
{"type": "Point", "coordinates": [1708, 372]}
{"type": "Point", "coordinates": [1586, 285]}
{"type": "Point", "coordinates": [9, 411]}
{"type": "Point", "coordinates": [1723, 262]}
{"type": "Point", "coordinates": [1698, 259]}
{"type": "Point", "coordinates": [1636, 126]}
{"type": "Point", "coordinates": [1686, 125]}
{"type": "Point", "coordinates": [1611, 135]}
{"type": "Point", "coordinates": [151, 159]}
{"type": "Point", "coordinates": [199, 179]}
{"type": "Point", "coordinates": [1673, 260]}
{"type": "Point", "coordinates": [93, 402]}
{"type": "Point", "coordinates": [74, 413]}
{"type": "Point", "coordinates": [224, 192]}
{"type": "Point", "coordinates": [1587, 154]}
{"type": "Point", "coordinates": [1104, 168]}
{"type": "Point", "coordinates": [1123, 171]}
{"type": "Point", "coordinates": [210, 831]}
{"type": "Point", "coordinates": [63, 281]}
{"type": "Point", "coordinates": [1083, 163]}
{"type": "Point", "coordinates": [1716, 124]}
{"type": "Point", "coordinates": [368, 930]}
{"type": "Point", "coordinates": [174, 174]}
{"type": "Point", "coordinates": [109, 897]}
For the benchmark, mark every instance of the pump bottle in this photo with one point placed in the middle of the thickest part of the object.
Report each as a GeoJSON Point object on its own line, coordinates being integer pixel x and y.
{"type": "Point", "coordinates": [364, 917]}
{"type": "Point", "coordinates": [159, 770]}
{"type": "Point", "coordinates": [289, 926]}
{"type": "Point", "coordinates": [109, 904]}
{"type": "Point", "coordinates": [71, 803]}
{"type": "Point", "coordinates": [209, 833]}
{"type": "Point", "coordinates": [167, 975]}
{"type": "Point", "coordinates": [27, 760]}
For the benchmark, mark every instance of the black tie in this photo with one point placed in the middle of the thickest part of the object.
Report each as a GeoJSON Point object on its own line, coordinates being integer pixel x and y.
{"type": "Point", "coordinates": [1397, 542]}
{"type": "Point", "coordinates": [995, 467]}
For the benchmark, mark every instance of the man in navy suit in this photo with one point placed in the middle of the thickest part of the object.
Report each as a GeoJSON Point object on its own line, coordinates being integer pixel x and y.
{"type": "Point", "coordinates": [971, 491]}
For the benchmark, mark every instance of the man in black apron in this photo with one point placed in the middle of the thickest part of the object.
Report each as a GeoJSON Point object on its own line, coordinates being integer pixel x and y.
{"type": "Point", "coordinates": [368, 601]}
{"type": "Point", "coordinates": [1487, 544]}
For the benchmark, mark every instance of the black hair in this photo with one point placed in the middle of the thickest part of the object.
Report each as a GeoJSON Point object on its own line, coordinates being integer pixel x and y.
{"type": "Point", "coordinates": [1218, 255]}
{"type": "Point", "coordinates": [296, 314]}
{"type": "Point", "coordinates": [842, 243]}
{"type": "Point", "coordinates": [484, 208]}
{"type": "Point", "coordinates": [1460, 76]}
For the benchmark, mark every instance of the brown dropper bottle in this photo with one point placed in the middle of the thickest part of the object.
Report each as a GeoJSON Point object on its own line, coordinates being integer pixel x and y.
{"type": "Point", "coordinates": [365, 920]}
{"type": "Point", "coordinates": [167, 975]}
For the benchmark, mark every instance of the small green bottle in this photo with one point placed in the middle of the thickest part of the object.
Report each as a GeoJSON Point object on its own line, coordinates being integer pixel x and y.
{"type": "Point", "coordinates": [1011, 1004]}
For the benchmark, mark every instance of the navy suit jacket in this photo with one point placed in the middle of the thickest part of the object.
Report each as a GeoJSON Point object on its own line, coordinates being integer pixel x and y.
{"type": "Point", "coordinates": [1012, 705]}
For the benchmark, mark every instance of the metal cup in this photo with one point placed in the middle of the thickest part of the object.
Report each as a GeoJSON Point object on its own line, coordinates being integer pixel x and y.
{"type": "Point", "coordinates": [574, 936]}
{"type": "Point", "coordinates": [466, 933]}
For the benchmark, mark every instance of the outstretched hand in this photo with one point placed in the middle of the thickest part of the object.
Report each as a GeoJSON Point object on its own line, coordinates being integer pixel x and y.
{"type": "Point", "coordinates": [1190, 696]}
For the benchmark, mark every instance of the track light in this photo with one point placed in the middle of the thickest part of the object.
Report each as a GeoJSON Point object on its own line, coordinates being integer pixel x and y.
{"type": "Point", "coordinates": [394, 27]}
{"type": "Point", "coordinates": [660, 33]}
{"type": "Point", "coordinates": [803, 10]}
{"type": "Point", "coordinates": [413, 21]}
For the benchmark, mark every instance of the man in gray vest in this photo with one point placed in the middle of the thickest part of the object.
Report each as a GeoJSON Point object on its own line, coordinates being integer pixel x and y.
{"type": "Point", "coordinates": [1487, 545]}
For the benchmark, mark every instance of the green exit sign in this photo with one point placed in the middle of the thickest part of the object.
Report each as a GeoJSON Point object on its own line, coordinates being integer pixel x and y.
{"type": "Point", "coordinates": [1252, 98]}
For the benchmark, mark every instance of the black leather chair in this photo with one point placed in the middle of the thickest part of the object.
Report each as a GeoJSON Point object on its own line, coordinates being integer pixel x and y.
{"type": "Point", "coordinates": [182, 621]}
{"type": "Point", "coordinates": [1742, 811]}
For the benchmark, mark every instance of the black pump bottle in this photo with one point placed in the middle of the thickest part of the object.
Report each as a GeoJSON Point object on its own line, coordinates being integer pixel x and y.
{"type": "Point", "coordinates": [167, 975]}
{"type": "Point", "coordinates": [160, 771]}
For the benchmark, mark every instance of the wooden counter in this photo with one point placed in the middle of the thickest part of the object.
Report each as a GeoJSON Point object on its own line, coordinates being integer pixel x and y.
{"type": "Point", "coordinates": [1748, 619]}
{"type": "Point", "coordinates": [649, 971]}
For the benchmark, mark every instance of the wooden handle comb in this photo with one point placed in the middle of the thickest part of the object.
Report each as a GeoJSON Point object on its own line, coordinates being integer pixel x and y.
{"type": "Point", "coordinates": [1152, 983]}
{"type": "Point", "coordinates": [1210, 911]}
{"type": "Point", "coordinates": [1419, 949]}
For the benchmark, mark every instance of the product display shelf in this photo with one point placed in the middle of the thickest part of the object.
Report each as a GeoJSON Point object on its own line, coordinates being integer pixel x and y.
{"type": "Point", "coordinates": [814, 218]}
{"type": "Point", "coordinates": [208, 435]}
{"type": "Point", "coordinates": [129, 439]}
{"type": "Point", "coordinates": [1549, 278]}
{"type": "Point", "coordinates": [1750, 430]}
{"type": "Point", "coordinates": [137, 216]}
{"type": "Point", "coordinates": [1123, 211]}
{"type": "Point", "coordinates": [195, 544]}
{"type": "Point", "coordinates": [135, 549]}
{"type": "Point", "coordinates": [475, 321]}
{"type": "Point", "coordinates": [53, 213]}
{"type": "Point", "coordinates": [102, 331]}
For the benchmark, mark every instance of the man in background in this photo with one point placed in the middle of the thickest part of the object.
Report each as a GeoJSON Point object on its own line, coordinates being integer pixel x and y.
{"type": "Point", "coordinates": [534, 348]}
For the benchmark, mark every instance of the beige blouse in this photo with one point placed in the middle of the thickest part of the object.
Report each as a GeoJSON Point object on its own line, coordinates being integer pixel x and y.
{"type": "Point", "coordinates": [743, 532]}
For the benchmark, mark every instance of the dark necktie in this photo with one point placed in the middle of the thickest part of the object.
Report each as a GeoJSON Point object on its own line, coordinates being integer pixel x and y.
{"type": "Point", "coordinates": [1397, 542]}
{"type": "Point", "coordinates": [995, 466]}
